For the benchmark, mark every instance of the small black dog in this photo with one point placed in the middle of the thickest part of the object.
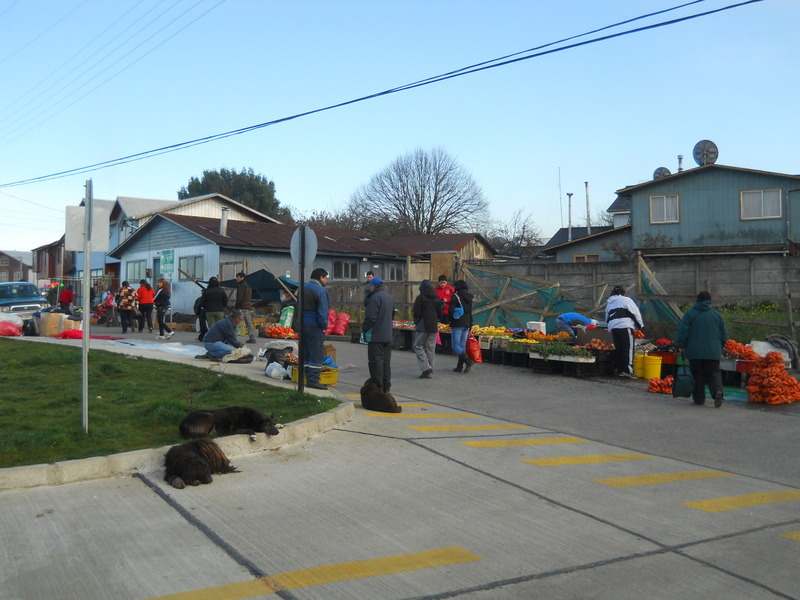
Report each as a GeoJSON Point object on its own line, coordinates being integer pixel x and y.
{"type": "Point", "coordinates": [193, 463]}
{"type": "Point", "coordinates": [372, 398]}
{"type": "Point", "coordinates": [227, 421]}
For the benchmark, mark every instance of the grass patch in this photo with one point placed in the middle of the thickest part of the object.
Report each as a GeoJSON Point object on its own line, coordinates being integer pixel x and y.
{"type": "Point", "coordinates": [134, 403]}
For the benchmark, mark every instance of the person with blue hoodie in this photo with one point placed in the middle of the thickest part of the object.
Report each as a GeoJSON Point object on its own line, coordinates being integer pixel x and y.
{"type": "Point", "coordinates": [427, 314]}
{"type": "Point", "coordinates": [702, 334]}
{"type": "Point", "coordinates": [315, 323]}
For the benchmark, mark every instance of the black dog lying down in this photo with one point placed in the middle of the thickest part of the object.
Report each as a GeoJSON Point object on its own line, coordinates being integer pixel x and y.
{"type": "Point", "coordinates": [193, 463]}
{"type": "Point", "coordinates": [227, 421]}
{"type": "Point", "coordinates": [372, 398]}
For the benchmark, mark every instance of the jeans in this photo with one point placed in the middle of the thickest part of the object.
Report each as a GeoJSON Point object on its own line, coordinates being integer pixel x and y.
{"type": "Point", "coordinates": [458, 337]}
{"type": "Point", "coordinates": [163, 328]}
{"type": "Point", "coordinates": [561, 325]}
{"type": "Point", "coordinates": [218, 349]}
{"type": "Point", "coordinates": [425, 349]}
{"type": "Point", "coordinates": [126, 317]}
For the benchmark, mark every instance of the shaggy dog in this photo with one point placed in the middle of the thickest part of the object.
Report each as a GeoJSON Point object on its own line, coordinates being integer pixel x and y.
{"type": "Point", "coordinates": [193, 463]}
{"type": "Point", "coordinates": [372, 398]}
{"type": "Point", "coordinates": [226, 421]}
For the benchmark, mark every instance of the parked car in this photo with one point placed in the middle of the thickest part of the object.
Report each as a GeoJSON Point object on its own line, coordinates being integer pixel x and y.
{"type": "Point", "coordinates": [21, 298]}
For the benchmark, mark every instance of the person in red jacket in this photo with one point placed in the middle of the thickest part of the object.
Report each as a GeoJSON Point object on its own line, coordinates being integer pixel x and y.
{"type": "Point", "coordinates": [65, 299]}
{"type": "Point", "coordinates": [145, 295]}
{"type": "Point", "coordinates": [445, 292]}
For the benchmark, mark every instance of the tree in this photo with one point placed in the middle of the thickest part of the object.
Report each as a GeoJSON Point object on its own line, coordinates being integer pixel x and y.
{"type": "Point", "coordinates": [518, 236]}
{"type": "Point", "coordinates": [421, 193]}
{"type": "Point", "coordinates": [252, 190]}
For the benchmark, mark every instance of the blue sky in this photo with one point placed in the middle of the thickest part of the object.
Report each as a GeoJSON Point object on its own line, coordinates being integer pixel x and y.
{"type": "Point", "coordinates": [87, 81]}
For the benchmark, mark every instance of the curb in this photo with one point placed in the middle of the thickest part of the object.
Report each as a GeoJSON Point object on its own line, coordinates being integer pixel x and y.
{"type": "Point", "coordinates": [127, 464]}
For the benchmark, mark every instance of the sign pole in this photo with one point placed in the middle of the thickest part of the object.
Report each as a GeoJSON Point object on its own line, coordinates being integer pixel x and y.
{"type": "Point", "coordinates": [87, 300]}
{"type": "Point", "coordinates": [300, 298]}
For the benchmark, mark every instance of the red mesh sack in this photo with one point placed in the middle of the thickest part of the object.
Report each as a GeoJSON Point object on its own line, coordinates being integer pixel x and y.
{"type": "Point", "coordinates": [342, 321]}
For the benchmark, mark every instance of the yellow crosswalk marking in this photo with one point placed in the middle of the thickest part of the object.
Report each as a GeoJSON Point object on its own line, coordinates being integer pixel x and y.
{"type": "Point", "coordinates": [422, 415]}
{"type": "Point", "coordinates": [558, 461]}
{"type": "Point", "coordinates": [414, 404]}
{"type": "Point", "coordinates": [528, 442]}
{"type": "Point", "coordinates": [345, 571]}
{"type": "Point", "coordinates": [792, 535]}
{"type": "Point", "coordinates": [655, 478]}
{"type": "Point", "coordinates": [465, 427]}
{"type": "Point", "coordinates": [744, 500]}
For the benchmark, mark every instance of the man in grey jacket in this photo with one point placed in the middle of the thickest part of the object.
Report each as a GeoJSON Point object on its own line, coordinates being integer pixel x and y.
{"type": "Point", "coordinates": [378, 333]}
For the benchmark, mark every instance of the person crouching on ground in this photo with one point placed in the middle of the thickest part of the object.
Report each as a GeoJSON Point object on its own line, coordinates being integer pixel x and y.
{"type": "Point", "coordinates": [222, 341]}
{"type": "Point", "coordinates": [427, 314]}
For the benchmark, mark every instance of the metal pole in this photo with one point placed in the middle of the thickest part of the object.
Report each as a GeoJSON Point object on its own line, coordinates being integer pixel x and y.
{"type": "Point", "coordinates": [87, 301]}
{"type": "Point", "coordinates": [300, 296]}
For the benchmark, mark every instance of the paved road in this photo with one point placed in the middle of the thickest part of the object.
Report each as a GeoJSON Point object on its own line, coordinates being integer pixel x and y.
{"type": "Point", "coordinates": [498, 484]}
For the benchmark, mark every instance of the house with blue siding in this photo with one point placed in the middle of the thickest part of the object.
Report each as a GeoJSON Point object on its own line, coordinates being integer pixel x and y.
{"type": "Point", "coordinates": [184, 249]}
{"type": "Point", "coordinates": [711, 209]}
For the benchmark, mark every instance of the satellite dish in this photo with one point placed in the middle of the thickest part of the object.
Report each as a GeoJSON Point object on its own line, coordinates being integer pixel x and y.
{"type": "Point", "coordinates": [705, 153]}
{"type": "Point", "coordinates": [661, 172]}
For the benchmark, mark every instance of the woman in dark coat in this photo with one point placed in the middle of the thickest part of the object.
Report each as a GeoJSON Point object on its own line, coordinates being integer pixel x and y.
{"type": "Point", "coordinates": [162, 302]}
{"type": "Point", "coordinates": [461, 326]}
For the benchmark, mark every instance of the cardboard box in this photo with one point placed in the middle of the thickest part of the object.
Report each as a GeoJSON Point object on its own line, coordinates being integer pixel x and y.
{"type": "Point", "coordinates": [330, 350]}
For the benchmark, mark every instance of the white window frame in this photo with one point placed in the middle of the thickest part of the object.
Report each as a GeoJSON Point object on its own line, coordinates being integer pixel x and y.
{"type": "Point", "coordinates": [754, 207]}
{"type": "Point", "coordinates": [135, 270]}
{"type": "Point", "coordinates": [664, 209]}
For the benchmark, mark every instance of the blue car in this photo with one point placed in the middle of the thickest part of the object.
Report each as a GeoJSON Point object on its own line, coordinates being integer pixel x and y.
{"type": "Point", "coordinates": [20, 298]}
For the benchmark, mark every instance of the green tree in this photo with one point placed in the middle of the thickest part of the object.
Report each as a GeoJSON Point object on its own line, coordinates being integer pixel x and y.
{"type": "Point", "coordinates": [255, 191]}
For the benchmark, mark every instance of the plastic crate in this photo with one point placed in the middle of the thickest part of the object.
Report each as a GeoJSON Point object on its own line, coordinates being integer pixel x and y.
{"type": "Point", "coordinates": [325, 378]}
{"type": "Point", "coordinates": [549, 367]}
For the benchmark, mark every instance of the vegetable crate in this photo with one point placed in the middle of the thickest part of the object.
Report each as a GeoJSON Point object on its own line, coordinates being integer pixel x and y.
{"type": "Point", "coordinates": [582, 369]}
{"type": "Point", "coordinates": [549, 367]}
{"type": "Point", "coordinates": [325, 378]}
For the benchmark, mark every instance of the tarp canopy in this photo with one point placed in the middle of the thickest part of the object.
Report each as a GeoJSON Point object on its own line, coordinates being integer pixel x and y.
{"type": "Point", "coordinates": [265, 285]}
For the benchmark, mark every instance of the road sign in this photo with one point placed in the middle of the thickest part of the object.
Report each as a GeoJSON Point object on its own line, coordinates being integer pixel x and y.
{"type": "Point", "coordinates": [302, 254]}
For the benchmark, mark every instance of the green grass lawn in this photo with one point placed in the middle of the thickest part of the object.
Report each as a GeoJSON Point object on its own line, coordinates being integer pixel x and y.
{"type": "Point", "coordinates": [134, 403]}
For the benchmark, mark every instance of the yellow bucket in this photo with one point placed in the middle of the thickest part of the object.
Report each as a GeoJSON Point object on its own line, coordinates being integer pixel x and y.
{"type": "Point", "coordinates": [652, 367]}
{"type": "Point", "coordinates": [638, 365]}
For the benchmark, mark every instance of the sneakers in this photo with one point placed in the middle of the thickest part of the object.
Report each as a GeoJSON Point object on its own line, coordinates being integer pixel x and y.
{"type": "Point", "coordinates": [170, 334]}
{"type": "Point", "coordinates": [626, 375]}
{"type": "Point", "coordinates": [427, 374]}
{"type": "Point", "coordinates": [316, 386]}
{"type": "Point", "coordinates": [160, 337]}
{"type": "Point", "coordinates": [718, 399]}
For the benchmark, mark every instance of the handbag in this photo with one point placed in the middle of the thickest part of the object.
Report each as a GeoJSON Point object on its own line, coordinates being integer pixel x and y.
{"type": "Point", "coordinates": [458, 311]}
{"type": "Point", "coordinates": [683, 384]}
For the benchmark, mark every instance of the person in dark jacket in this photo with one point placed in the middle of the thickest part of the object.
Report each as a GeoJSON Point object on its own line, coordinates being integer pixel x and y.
{"type": "Point", "coordinates": [702, 334]}
{"type": "Point", "coordinates": [221, 341]}
{"type": "Point", "coordinates": [427, 314]}
{"type": "Point", "coordinates": [378, 333]}
{"type": "Point", "coordinates": [162, 302]}
{"type": "Point", "coordinates": [461, 302]}
{"type": "Point", "coordinates": [244, 302]}
{"type": "Point", "coordinates": [315, 323]}
{"type": "Point", "coordinates": [214, 300]}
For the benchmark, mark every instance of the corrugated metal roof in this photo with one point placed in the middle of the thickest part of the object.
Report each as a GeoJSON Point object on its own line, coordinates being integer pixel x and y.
{"type": "Point", "coordinates": [443, 242]}
{"type": "Point", "coordinates": [134, 207]}
{"type": "Point", "coordinates": [277, 236]}
{"type": "Point", "coordinates": [578, 233]}
{"type": "Point", "coordinates": [628, 189]}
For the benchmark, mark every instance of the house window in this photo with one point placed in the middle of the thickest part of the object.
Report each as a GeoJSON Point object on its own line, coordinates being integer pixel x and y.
{"type": "Point", "coordinates": [345, 270]}
{"type": "Point", "coordinates": [3, 275]}
{"type": "Point", "coordinates": [760, 204]}
{"type": "Point", "coordinates": [4, 261]}
{"type": "Point", "coordinates": [664, 209]}
{"type": "Point", "coordinates": [587, 258]}
{"type": "Point", "coordinates": [395, 272]}
{"type": "Point", "coordinates": [190, 267]}
{"type": "Point", "coordinates": [134, 270]}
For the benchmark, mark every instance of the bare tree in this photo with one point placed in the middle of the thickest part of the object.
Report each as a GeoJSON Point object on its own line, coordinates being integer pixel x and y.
{"type": "Point", "coordinates": [421, 193]}
{"type": "Point", "coordinates": [518, 236]}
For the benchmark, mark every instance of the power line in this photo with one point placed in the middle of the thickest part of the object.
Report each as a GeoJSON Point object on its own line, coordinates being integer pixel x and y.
{"type": "Point", "coordinates": [494, 63]}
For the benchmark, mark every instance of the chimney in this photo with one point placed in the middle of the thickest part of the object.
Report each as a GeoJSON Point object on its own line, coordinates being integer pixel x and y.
{"type": "Point", "coordinates": [223, 222]}
{"type": "Point", "coordinates": [680, 163]}
{"type": "Point", "coordinates": [588, 211]}
{"type": "Point", "coordinates": [569, 216]}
